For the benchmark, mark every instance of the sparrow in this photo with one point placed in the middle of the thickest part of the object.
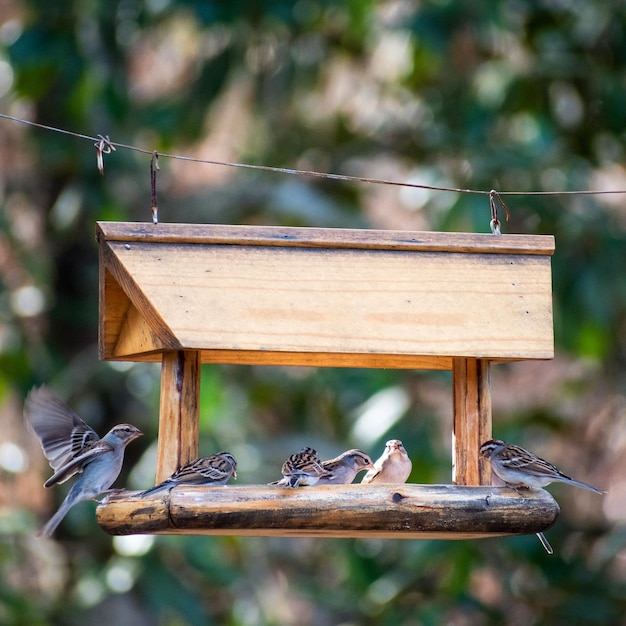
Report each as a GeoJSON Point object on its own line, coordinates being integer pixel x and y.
{"type": "Point", "coordinates": [303, 468]}
{"type": "Point", "coordinates": [394, 466]}
{"type": "Point", "coordinates": [344, 468]}
{"type": "Point", "coordinates": [73, 447]}
{"type": "Point", "coordinates": [520, 469]}
{"type": "Point", "coordinates": [207, 470]}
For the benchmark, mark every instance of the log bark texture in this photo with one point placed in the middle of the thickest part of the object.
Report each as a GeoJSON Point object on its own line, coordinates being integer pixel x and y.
{"type": "Point", "coordinates": [386, 511]}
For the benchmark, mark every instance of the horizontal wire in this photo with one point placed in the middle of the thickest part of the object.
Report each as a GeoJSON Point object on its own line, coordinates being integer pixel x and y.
{"type": "Point", "coordinates": [310, 173]}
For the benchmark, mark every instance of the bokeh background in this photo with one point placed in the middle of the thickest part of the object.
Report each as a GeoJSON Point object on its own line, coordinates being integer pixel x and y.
{"type": "Point", "coordinates": [508, 94]}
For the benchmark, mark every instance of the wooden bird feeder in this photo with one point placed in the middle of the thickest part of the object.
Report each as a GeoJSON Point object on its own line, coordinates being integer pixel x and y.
{"type": "Point", "coordinates": [184, 295]}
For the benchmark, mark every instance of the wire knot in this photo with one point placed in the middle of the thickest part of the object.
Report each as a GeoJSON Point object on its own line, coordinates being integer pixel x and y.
{"type": "Point", "coordinates": [154, 168]}
{"type": "Point", "coordinates": [103, 146]}
{"type": "Point", "coordinates": [494, 199]}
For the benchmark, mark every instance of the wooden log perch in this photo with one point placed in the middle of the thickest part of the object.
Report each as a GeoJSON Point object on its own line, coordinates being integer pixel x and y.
{"type": "Point", "coordinates": [386, 511]}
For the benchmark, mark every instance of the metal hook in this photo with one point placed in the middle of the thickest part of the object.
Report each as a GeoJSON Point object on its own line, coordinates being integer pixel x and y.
{"type": "Point", "coordinates": [154, 167]}
{"type": "Point", "coordinates": [494, 199]}
{"type": "Point", "coordinates": [103, 146]}
{"type": "Point", "coordinates": [545, 543]}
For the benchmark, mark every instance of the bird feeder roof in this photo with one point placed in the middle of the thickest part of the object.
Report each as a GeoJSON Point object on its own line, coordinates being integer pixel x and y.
{"type": "Point", "coordinates": [330, 297]}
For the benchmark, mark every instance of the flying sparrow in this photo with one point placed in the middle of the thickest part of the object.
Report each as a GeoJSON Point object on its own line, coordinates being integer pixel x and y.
{"type": "Point", "coordinates": [520, 469]}
{"type": "Point", "coordinates": [303, 468]}
{"type": "Point", "coordinates": [72, 447]}
{"type": "Point", "coordinates": [344, 468]}
{"type": "Point", "coordinates": [394, 466]}
{"type": "Point", "coordinates": [208, 470]}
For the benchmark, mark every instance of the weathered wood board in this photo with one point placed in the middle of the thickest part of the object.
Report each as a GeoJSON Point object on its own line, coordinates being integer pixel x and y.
{"type": "Point", "coordinates": [329, 297]}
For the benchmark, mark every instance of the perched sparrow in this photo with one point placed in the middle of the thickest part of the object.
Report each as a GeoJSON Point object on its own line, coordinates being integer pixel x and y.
{"type": "Point", "coordinates": [208, 470]}
{"type": "Point", "coordinates": [394, 466]}
{"type": "Point", "coordinates": [72, 447]}
{"type": "Point", "coordinates": [344, 468]}
{"type": "Point", "coordinates": [303, 468]}
{"type": "Point", "coordinates": [519, 468]}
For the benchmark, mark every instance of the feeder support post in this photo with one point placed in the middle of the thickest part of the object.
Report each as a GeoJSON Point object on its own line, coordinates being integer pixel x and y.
{"type": "Point", "coordinates": [179, 411]}
{"type": "Point", "coordinates": [472, 420]}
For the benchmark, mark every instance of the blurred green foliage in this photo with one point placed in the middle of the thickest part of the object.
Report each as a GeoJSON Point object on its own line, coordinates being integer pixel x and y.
{"type": "Point", "coordinates": [510, 95]}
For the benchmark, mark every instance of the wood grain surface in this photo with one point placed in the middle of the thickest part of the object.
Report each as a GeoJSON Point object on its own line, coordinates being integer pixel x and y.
{"type": "Point", "coordinates": [366, 299]}
{"type": "Point", "coordinates": [386, 511]}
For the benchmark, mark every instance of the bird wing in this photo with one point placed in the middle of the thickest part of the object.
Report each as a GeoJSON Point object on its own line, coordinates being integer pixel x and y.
{"type": "Point", "coordinates": [371, 474]}
{"type": "Point", "coordinates": [203, 470]}
{"type": "Point", "coordinates": [378, 468]}
{"type": "Point", "coordinates": [306, 467]}
{"type": "Point", "coordinates": [62, 433]}
{"type": "Point", "coordinates": [77, 464]}
{"type": "Point", "coordinates": [332, 465]}
{"type": "Point", "coordinates": [519, 459]}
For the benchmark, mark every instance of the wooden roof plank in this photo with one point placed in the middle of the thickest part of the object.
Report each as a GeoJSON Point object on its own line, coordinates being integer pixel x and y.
{"type": "Point", "coordinates": [427, 241]}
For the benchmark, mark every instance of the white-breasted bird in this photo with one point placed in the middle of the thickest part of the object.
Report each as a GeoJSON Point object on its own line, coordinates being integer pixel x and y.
{"type": "Point", "coordinates": [394, 466]}
{"type": "Point", "coordinates": [73, 447]}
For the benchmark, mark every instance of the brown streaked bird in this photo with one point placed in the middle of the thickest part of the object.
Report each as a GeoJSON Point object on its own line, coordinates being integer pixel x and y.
{"type": "Point", "coordinates": [521, 469]}
{"type": "Point", "coordinates": [209, 471]}
{"type": "Point", "coordinates": [345, 467]}
{"type": "Point", "coordinates": [303, 468]}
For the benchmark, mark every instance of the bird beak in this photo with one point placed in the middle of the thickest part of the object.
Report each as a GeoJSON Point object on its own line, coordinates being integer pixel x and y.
{"type": "Point", "coordinates": [136, 435]}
